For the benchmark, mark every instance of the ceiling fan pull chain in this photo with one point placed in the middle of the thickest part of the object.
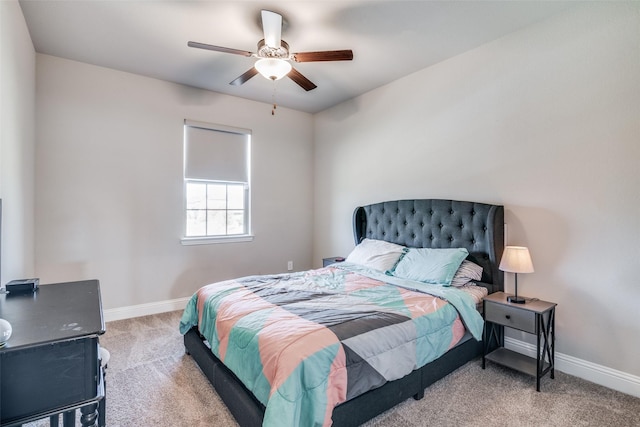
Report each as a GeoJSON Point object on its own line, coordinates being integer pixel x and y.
{"type": "Point", "coordinates": [273, 99]}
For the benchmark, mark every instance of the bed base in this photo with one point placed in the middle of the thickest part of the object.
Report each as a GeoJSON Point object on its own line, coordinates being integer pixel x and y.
{"type": "Point", "coordinates": [249, 412]}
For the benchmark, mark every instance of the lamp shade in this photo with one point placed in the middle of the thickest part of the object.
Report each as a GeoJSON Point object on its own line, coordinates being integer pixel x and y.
{"type": "Point", "coordinates": [273, 68]}
{"type": "Point", "coordinates": [516, 259]}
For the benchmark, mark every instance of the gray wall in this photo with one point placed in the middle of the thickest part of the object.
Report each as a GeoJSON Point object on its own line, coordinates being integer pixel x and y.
{"type": "Point", "coordinates": [110, 192]}
{"type": "Point", "coordinates": [17, 117]}
{"type": "Point", "coordinates": [544, 121]}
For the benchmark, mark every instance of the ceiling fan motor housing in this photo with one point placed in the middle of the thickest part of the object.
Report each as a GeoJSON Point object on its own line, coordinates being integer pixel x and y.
{"type": "Point", "coordinates": [265, 51]}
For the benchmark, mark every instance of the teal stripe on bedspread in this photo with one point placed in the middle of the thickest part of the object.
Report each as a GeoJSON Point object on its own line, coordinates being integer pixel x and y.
{"type": "Point", "coordinates": [463, 302]}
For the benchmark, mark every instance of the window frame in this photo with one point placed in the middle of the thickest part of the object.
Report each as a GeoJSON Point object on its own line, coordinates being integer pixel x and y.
{"type": "Point", "coordinates": [247, 236]}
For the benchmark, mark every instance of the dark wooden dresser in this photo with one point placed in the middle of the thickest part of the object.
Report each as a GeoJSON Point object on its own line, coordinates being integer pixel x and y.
{"type": "Point", "coordinates": [51, 365]}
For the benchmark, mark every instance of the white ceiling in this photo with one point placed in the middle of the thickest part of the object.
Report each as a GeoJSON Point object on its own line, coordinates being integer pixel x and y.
{"type": "Point", "coordinates": [390, 39]}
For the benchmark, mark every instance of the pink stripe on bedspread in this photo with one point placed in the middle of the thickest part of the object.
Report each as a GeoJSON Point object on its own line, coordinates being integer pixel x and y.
{"type": "Point", "coordinates": [355, 282]}
{"type": "Point", "coordinates": [458, 330]}
{"type": "Point", "coordinates": [420, 304]}
{"type": "Point", "coordinates": [207, 291]}
{"type": "Point", "coordinates": [286, 340]}
{"type": "Point", "coordinates": [337, 385]}
{"type": "Point", "coordinates": [234, 307]}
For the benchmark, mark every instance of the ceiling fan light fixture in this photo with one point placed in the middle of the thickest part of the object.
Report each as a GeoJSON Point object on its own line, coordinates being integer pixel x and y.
{"type": "Point", "coordinates": [273, 68]}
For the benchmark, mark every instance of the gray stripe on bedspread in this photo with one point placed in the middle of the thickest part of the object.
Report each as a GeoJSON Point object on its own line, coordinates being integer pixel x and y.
{"type": "Point", "coordinates": [344, 323]}
{"type": "Point", "coordinates": [361, 377]}
{"type": "Point", "coordinates": [391, 350]}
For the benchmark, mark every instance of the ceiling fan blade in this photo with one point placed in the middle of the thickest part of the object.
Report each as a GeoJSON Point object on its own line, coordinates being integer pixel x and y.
{"type": "Point", "coordinates": [246, 76]}
{"type": "Point", "coordinates": [301, 80]}
{"type": "Point", "coordinates": [272, 27]}
{"type": "Point", "coordinates": [327, 55]}
{"type": "Point", "coordinates": [219, 49]}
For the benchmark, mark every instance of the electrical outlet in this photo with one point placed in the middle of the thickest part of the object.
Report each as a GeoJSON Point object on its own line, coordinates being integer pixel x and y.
{"type": "Point", "coordinates": [290, 265]}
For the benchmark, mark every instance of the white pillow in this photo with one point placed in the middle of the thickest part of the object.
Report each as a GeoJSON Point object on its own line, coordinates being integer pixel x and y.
{"type": "Point", "coordinates": [468, 272]}
{"type": "Point", "coordinates": [376, 254]}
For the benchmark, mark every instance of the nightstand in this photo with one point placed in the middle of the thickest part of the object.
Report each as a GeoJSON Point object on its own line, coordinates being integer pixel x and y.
{"type": "Point", "coordinates": [534, 317]}
{"type": "Point", "coordinates": [328, 261]}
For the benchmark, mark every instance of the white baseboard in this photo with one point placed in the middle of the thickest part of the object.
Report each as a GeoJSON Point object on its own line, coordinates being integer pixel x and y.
{"type": "Point", "coordinates": [145, 309]}
{"type": "Point", "coordinates": [611, 378]}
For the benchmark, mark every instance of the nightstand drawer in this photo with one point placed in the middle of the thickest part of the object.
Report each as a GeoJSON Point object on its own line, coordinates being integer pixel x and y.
{"type": "Point", "coordinates": [512, 317]}
{"type": "Point", "coordinates": [328, 261]}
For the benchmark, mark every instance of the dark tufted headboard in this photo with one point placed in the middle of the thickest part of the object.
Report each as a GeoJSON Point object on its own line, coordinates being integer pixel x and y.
{"type": "Point", "coordinates": [433, 223]}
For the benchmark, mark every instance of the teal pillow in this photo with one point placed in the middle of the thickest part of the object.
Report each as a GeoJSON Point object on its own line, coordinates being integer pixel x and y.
{"type": "Point", "coordinates": [437, 266]}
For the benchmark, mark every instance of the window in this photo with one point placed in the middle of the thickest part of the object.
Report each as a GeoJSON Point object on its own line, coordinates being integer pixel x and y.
{"type": "Point", "coordinates": [216, 183]}
{"type": "Point", "coordinates": [215, 209]}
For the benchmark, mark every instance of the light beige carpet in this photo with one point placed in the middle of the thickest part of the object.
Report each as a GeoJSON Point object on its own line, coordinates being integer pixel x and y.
{"type": "Point", "coordinates": [151, 382]}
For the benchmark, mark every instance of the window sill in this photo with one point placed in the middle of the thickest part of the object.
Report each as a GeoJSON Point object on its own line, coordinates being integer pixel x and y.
{"type": "Point", "coordinates": [189, 241]}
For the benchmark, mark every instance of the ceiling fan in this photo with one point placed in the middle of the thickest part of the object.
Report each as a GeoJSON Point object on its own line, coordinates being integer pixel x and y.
{"type": "Point", "coordinates": [274, 55]}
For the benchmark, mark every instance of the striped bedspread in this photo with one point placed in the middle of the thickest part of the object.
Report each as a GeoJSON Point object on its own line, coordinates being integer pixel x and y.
{"type": "Point", "coordinates": [306, 342]}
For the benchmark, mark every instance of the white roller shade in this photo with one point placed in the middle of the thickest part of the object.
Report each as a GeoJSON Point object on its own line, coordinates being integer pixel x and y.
{"type": "Point", "coordinates": [218, 154]}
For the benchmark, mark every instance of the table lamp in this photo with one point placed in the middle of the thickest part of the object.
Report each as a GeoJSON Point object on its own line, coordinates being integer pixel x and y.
{"type": "Point", "coordinates": [516, 259]}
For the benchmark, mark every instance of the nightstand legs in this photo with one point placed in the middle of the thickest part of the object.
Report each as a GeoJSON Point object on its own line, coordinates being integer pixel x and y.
{"type": "Point", "coordinates": [491, 334]}
{"type": "Point", "coordinates": [546, 334]}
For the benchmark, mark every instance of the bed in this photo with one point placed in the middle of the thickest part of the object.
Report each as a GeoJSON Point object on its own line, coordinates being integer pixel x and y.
{"type": "Point", "coordinates": [476, 229]}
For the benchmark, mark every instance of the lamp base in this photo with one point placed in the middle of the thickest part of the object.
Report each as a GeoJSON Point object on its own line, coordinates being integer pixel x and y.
{"type": "Point", "coordinates": [516, 300]}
